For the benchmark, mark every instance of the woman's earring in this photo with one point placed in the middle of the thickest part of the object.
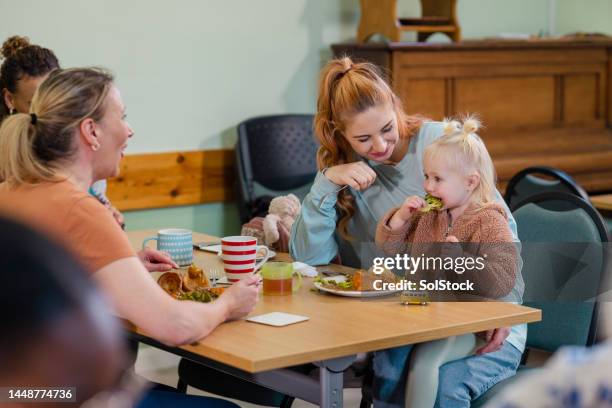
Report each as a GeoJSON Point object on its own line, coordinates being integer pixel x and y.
{"type": "Point", "coordinates": [11, 111]}
{"type": "Point", "coordinates": [95, 147]}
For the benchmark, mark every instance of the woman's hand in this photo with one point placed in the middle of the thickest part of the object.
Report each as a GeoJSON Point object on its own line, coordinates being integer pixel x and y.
{"type": "Point", "coordinates": [156, 261]}
{"type": "Point", "coordinates": [357, 175]}
{"type": "Point", "coordinates": [403, 214]}
{"type": "Point", "coordinates": [495, 339]}
{"type": "Point", "coordinates": [242, 296]}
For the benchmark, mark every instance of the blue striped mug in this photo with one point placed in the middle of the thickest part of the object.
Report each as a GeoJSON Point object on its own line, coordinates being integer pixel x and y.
{"type": "Point", "coordinates": [177, 242]}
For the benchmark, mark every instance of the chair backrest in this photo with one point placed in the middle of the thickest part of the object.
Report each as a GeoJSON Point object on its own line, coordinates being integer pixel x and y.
{"type": "Point", "coordinates": [275, 155]}
{"type": "Point", "coordinates": [537, 180]}
{"type": "Point", "coordinates": [564, 253]}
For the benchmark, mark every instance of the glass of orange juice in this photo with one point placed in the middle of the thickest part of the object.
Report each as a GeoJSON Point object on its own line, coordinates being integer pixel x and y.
{"type": "Point", "coordinates": [278, 278]}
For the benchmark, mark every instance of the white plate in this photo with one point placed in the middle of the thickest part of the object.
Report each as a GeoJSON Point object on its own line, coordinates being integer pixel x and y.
{"type": "Point", "coordinates": [217, 249]}
{"type": "Point", "coordinates": [352, 293]}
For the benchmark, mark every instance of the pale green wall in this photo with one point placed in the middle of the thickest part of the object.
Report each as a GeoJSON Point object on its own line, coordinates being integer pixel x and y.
{"type": "Point", "coordinates": [191, 70]}
{"type": "Point", "coordinates": [215, 219]}
{"type": "Point", "coordinates": [584, 15]}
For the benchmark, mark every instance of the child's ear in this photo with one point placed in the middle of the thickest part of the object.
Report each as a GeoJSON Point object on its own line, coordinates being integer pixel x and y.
{"type": "Point", "coordinates": [472, 181]}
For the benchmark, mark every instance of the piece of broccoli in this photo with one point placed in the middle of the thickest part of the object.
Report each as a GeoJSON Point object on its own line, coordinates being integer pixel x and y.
{"type": "Point", "coordinates": [433, 204]}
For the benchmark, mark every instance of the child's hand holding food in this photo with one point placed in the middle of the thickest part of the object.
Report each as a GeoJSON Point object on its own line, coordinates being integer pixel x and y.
{"type": "Point", "coordinates": [403, 214]}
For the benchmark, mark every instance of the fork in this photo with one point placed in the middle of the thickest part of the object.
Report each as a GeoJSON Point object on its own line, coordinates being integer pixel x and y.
{"type": "Point", "coordinates": [215, 275]}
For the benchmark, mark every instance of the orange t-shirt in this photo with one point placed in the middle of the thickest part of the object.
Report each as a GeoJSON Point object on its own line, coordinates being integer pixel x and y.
{"type": "Point", "coordinates": [70, 216]}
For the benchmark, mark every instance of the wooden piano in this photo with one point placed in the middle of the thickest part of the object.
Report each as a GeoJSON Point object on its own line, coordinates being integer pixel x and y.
{"type": "Point", "coordinates": [543, 102]}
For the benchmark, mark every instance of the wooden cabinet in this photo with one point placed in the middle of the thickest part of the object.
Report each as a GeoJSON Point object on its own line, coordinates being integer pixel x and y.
{"type": "Point", "coordinates": [543, 102]}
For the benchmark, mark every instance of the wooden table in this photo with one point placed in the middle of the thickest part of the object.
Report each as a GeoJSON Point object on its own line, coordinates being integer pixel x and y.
{"type": "Point", "coordinates": [338, 329]}
{"type": "Point", "coordinates": [602, 202]}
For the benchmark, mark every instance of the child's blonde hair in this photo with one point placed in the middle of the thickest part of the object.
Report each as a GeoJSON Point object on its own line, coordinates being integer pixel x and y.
{"type": "Point", "coordinates": [468, 154]}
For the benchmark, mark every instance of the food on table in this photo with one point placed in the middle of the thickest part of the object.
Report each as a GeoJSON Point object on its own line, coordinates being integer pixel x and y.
{"type": "Point", "coordinates": [204, 295]}
{"type": "Point", "coordinates": [171, 283]}
{"type": "Point", "coordinates": [433, 204]}
{"type": "Point", "coordinates": [195, 279]}
{"type": "Point", "coordinates": [217, 291]}
{"type": "Point", "coordinates": [364, 280]}
{"type": "Point", "coordinates": [194, 285]}
{"type": "Point", "coordinates": [334, 284]}
{"type": "Point", "coordinates": [361, 280]}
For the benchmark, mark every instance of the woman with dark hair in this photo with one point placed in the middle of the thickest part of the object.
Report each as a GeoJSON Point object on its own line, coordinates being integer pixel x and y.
{"type": "Point", "coordinates": [24, 67]}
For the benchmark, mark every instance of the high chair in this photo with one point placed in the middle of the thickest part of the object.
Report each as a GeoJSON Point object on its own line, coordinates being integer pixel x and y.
{"type": "Point", "coordinates": [427, 358]}
{"type": "Point", "coordinates": [567, 293]}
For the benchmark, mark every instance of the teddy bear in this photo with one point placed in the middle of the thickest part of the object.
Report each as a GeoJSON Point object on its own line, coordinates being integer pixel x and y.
{"type": "Point", "coordinates": [274, 230]}
{"type": "Point", "coordinates": [277, 224]}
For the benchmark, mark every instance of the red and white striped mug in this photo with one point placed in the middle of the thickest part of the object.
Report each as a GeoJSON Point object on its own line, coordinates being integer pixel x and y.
{"type": "Point", "coordinates": [239, 255]}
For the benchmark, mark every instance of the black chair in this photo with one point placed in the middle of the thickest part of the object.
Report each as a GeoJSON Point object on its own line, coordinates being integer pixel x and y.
{"type": "Point", "coordinates": [275, 155]}
{"type": "Point", "coordinates": [226, 385]}
{"type": "Point", "coordinates": [537, 180]}
{"type": "Point", "coordinates": [565, 269]}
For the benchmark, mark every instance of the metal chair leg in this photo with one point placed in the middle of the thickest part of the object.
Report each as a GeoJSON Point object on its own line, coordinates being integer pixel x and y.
{"type": "Point", "coordinates": [181, 386]}
{"type": "Point", "coordinates": [286, 402]}
{"type": "Point", "coordinates": [367, 390]}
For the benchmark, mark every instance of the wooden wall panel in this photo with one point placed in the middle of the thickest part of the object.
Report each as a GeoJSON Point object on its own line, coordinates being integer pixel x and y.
{"type": "Point", "coordinates": [581, 96]}
{"type": "Point", "coordinates": [501, 102]}
{"type": "Point", "coordinates": [171, 179]}
{"type": "Point", "coordinates": [412, 92]}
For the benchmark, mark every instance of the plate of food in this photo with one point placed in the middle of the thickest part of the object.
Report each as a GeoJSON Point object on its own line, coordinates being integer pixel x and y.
{"type": "Point", "coordinates": [192, 285]}
{"type": "Point", "coordinates": [359, 284]}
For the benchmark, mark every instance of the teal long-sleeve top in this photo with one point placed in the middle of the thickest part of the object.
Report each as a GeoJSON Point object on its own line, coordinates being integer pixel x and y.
{"type": "Point", "coordinates": [313, 236]}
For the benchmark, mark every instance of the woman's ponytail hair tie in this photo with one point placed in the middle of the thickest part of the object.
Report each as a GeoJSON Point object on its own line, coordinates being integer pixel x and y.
{"type": "Point", "coordinates": [33, 118]}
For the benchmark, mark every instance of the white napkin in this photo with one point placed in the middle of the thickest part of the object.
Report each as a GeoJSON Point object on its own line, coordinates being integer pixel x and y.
{"type": "Point", "coordinates": [277, 319]}
{"type": "Point", "coordinates": [305, 269]}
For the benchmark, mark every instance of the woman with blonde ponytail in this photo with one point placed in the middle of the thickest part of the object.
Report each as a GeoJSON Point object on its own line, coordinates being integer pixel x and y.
{"type": "Point", "coordinates": [370, 160]}
{"type": "Point", "coordinates": [23, 68]}
{"type": "Point", "coordinates": [76, 133]}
